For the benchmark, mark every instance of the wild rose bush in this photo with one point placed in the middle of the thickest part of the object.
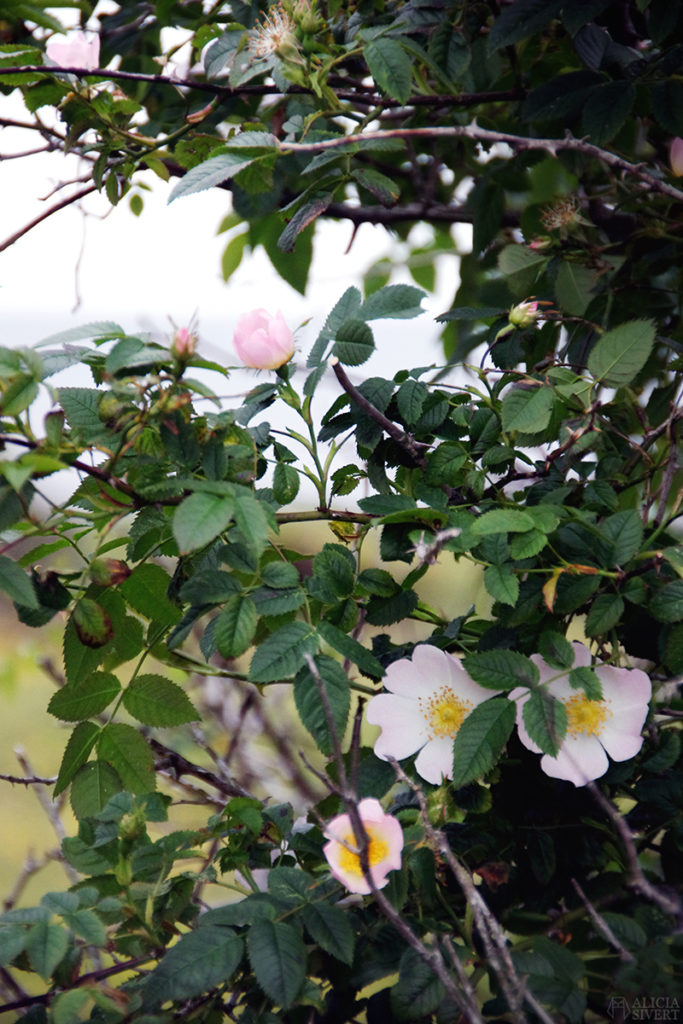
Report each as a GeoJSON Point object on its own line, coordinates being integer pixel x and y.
{"type": "Point", "coordinates": [506, 845]}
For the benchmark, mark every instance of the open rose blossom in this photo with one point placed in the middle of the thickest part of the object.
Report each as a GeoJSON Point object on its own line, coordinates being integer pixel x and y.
{"type": "Point", "coordinates": [430, 697]}
{"type": "Point", "coordinates": [595, 728]}
{"type": "Point", "coordinates": [263, 341]}
{"type": "Point", "coordinates": [74, 51]}
{"type": "Point", "coordinates": [384, 849]}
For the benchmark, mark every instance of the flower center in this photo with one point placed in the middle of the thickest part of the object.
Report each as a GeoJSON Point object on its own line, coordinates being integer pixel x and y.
{"type": "Point", "coordinates": [585, 717]}
{"type": "Point", "coordinates": [350, 861]}
{"type": "Point", "coordinates": [443, 712]}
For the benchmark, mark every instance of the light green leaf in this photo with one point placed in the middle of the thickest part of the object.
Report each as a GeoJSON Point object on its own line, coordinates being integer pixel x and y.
{"type": "Point", "coordinates": [620, 354]}
{"type": "Point", "coordinates": [251, 520]}
{"type": "Point", "coordinates": [200, 518]}
{"type": "Point", "coordinates": [502, 520]}
{"type": "Point", "coordinates": [278, 958]}
{"type": "Point", "coordinates": [154, 700]}
{"type": "Point", "coordinates": [350, 648]}
{"type": "Point", "coordinates": [574, 287]}
{"type": "Point", "coordinates": [520, 266]}
{"type": "Point", "coordinates": [12, 942]}
{"type": "Point", "coordinates": [146, 591]}
{"type": "Point", "coordinates": [213, 171]}
{"type": "Point", "coordinates": [481, 738]}
{"type": "Point", "coordinates": [283, 653]}
{"type": "Point", "coordinates": [65, 1009]}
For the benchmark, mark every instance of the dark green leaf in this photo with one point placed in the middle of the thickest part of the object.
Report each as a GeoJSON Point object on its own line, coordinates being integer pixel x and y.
{"type": "Point", "coordinates": [354, 343]}
{"type": "Point", "coordinates": [236, 625]}
{"type": "Point", "coordinates": [667, 603]}
{"type": "Point", "coordinates": [394, 301]}
{"type": "Point", "coordinates": [351, 649]}
{"type": "Point", "coordinates": [313, 707]}
{"type": "Point", "coordinates": [283, 653]}
{"type": "Point", "coordinates": [545, 719]}
{"type": "Point", "coordinates": [606, 109]}
{"type": "Point", "coordinates": [127, 751]}
{"type": "Point", "coordinates": [93, 786]}
{"type": "Point", "coordinates": [502, 583]}
{"type": "Point", "coordinates": [390, 66]}
{"type": "Point", "coordinates": [501, 670]}
{"type": "Point", "coordinates": [85, 699]}
{"type": "Point", "coordinates": [200, 961]}
{"type": "Point", "coordinates": [521, 20]}
{"type": "Point", "coordinates": [46, 945]}
{"type": "Point", "coordinates": [528, 409]}
{"type": "Point", "coordinates": [418, 991]}
{"type": "Point", "coordinates": [154, 700]}
{"type": "Point", "coordinates": [77, 752]}
{"type": "Point", "coordinates": [330, 928]}
{"type": "Point", "coordinates": [278, 959]}
{"type": "Point", "coordinates": [604, 613]}
{"type": "Point", "coordinates": [481, 738]}
{"type": "Point", "coordinates": [200, 518]}
{"type": "Point", "coordinates": [16, 583]}
{"type": "Point", "coordinates": [146, 591]}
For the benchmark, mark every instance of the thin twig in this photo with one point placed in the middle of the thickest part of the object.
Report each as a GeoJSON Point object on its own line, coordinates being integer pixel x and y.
{"type": "Point", "coordinates": [43, 216]}
{"type": "Point", "coordinates": [670, 904]}
{"type": "Point", "coordinates": [602, 925]}
{"type": "Point", "coordinates": [406, 441]}
{"type": "Point", "coordinates": [50, 807]}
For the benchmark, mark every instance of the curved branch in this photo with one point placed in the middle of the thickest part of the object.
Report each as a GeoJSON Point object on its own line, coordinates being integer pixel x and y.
{"type": "Point", "coordinates": [43, 216]}
{"type": "Point", "coordinates": [477, 134]}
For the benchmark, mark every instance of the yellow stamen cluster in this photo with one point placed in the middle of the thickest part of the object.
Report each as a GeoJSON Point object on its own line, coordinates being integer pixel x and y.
{"type": "Point", "coordinates": [585, 717]}
{"type": "Point", "coordinates": [443, 712]}
{"type": "Point", "coordinates": [349, 859]}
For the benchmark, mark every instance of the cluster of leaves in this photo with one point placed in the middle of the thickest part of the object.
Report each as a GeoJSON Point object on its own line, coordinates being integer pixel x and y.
{"type": "Point", "coordinates": [554, 469]}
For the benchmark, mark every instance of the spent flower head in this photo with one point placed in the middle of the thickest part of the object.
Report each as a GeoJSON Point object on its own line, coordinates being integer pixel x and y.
{"type": "Point", "coordinates": [275, 35]}
{"type": "Point", "coordinates": [676, 157]}
{"type": "Point", "coordinates": [385, 842]}
{"type": "Point", "coordinates": [595, 728]}
{"type": "Point", "coordinates": [430, 696]}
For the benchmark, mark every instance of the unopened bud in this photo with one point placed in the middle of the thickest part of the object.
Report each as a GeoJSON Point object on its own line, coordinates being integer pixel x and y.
{"type": "Point", "coordinates": [524, 314]}
{"type": "Point", "coordinates": [184, 344]}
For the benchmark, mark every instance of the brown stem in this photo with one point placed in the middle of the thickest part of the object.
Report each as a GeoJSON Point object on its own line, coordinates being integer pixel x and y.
{"type": "Point", "coordinates": [406, 441]}
{"type": "Point", "coordinates": [43, 216]}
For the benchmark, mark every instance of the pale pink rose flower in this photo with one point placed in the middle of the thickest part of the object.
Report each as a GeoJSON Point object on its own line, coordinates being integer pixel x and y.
{"type": "Point", "coordinates": [384, 850]}
{"type": "Point", "coordinates": [74, 51]}
{"type": "Point", "coordinates": [595, 728]}
{"type": "Point", "coordinates": [676, 157]}
{"type": "Point", "coordinates": [263, 341]}
{"type": "Point", "coordinates": [430, 697]}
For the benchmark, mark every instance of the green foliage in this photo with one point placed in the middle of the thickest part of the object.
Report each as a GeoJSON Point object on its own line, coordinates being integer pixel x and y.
{"type": "Point", "coordinates": [549, 467]}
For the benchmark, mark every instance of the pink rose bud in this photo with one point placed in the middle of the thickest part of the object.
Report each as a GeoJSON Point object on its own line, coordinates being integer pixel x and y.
{"type": "Point", "coordinates": [263, 341]}
{"type": "Point", "coordinates": [184, 343]}
{"type": "Point", "coordinates": [74, 51]}
{"type": "Point", "coordinates": [524, 314]}
{"type": "Point", "coordinates": [676, 157]}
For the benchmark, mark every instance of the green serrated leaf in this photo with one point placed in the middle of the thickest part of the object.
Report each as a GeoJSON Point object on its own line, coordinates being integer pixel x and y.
{"type": "Point", "coordinates": [311, 705]}
{"type": "Point", "coordinates": [199, 962]}
{"type": "Point", "coordinates": [330, 928]}
{"type": "Point", "coordinates": [585, 678]}
{"type": "Point", "coordinates": [252, 522]}
{"type": "Point", "coordinates": [354, 343]}
{"type": "Point", "coordinates": [283, 653]}
{"type": "Point", "coordinates": [501, 670]}
{"type": "Point", "coordinates": [128, 753]}
{"type": "Point", "coordinates": [278, 959]}
{"type": "Point", "coordinates": [605, 612]}
{"type": "Point", "coordinates": [92, 788]}
{"type": "Point", "coordinates": [46, 945]}
{"type": "Point", "coordinates": [545, 719]}
{"type": "Point", "coordinates": [77, 752]}
{"type": "Point", "coordinates": [16, 583]}
{"type": "Point", "coordinates": [236, 625]}
{"type": "Point", "coordinates": [502, 520]}
{"type": "Point", "coordinates": [620, 354]}
{"type": "Point", "coordinates": [502, 584]}
{"type": "Point", "coordinates": [481, 738]}
{"type": "Point", "coordinates": [528, 409]}
{"type": "Point", "coordinates": [77, 701]}
{"type": "Point", "coordinates": [395, 302]}
{"type": "Point", "coordinates": [350, 648]}
{"type": "Point", "coordinates": [200, 518]}
{"type": "Point", "coordinates": [391, 67]}
{"type": "Point", "coordinates": [418, 992]}
{"type": "Point", "coordinates": [12, 942]}
{"type": "Point", "coordinates": [154, 700]}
